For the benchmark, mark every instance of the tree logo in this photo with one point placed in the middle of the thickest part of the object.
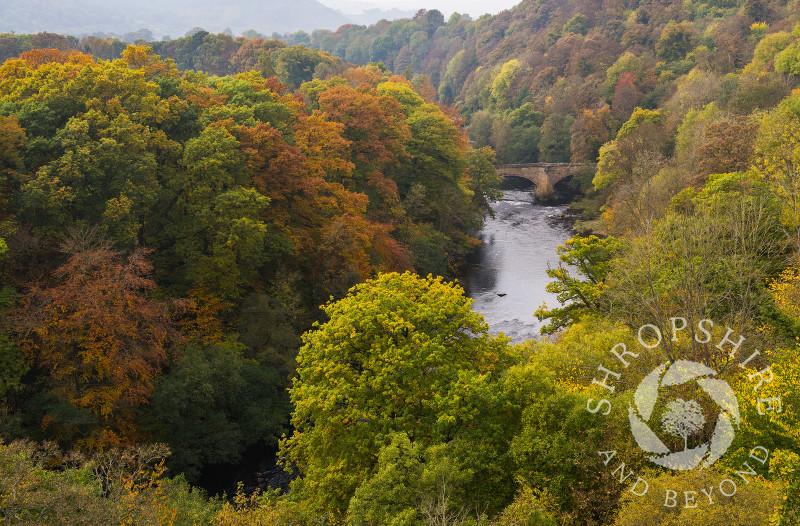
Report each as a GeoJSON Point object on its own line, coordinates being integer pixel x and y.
{"type": "Point", "coordinates": [683, 419]}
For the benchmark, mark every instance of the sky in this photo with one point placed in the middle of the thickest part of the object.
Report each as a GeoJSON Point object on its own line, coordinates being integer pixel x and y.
{"type": "Point", "coordinates": [474, 8]}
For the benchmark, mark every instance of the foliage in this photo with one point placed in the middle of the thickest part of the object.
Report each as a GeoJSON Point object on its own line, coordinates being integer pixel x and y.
{"type": "Point", "coordinates": [96, 333]}
{"type": "Point", "coordinates": [735, 225]}
{"type": "Point", "coordinates": [788, 60]}
{"type": "Point", "coordinates": [254, 205]}
{"type": "Point", "coordinates": [398, 354]}
{"type": "Point", "coordinates": [39, 486]}
{"type": "Point", "coordinates": [729, 147]}
{"type": "Point", "coordinates": [752, 503]}
{"type": "Point", "coordinates": [555, 450]}
{"type": "Point", "coordinates": [785, 464]}
{"type": "Point", "coordinates": [528, 508]}
{"type": "Point", "coordinates": [262, 194]}
{"type": "Point", "coordinates": [776, 431]}
{"type": "Point", "coordinates": [777, 153]}
{"type": "Point", "coordinates": [676, 41]}
{"type": "Point", "coordinates": [591, 257]}
{"type": "Point", "coordinates": [412, 484]}
{"type": "Point", "coordinates": [12, 363]}
{"type": "Point", "coordinates": [577, 24]}
{"type": "Point", "coordinates": [617, 160]}
{"type": "Point", "coordinates": [213, 404]}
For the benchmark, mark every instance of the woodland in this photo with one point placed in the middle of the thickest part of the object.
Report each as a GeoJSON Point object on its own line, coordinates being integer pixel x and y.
{"type": "Point", "coordinates": [214, 247]}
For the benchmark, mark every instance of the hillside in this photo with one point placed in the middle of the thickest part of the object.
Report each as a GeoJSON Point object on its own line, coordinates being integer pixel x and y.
{"type": "Point", "coordinates": [526, 78]}
{"type": "Point", "coordinates": [175, 17]}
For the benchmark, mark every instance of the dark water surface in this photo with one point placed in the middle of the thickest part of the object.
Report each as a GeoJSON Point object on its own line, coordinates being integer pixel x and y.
{"type": "Point", "coordinates": [507, 274]}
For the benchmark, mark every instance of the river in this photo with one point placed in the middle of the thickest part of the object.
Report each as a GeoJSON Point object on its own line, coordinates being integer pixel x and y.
{"type": "Point", "coordinates": [518, 245]}
{"type": "Point", "coordinates": [507, 275]}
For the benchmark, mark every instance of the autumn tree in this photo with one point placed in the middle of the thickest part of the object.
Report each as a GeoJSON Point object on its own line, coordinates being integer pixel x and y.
{"type": "Point", "coordinates": [638, 69]}
{"type": "Point", "coordinates": [399, 354]}
{"type": "Point", "coordinates": [708, 260]}
{"type": "Point", "coordinates": [589, 132]}
{"type": "Point", "coordinates": [626, 95]}
{"type": "Point", "coordinates": [777, 158]}
{"type": "Point", "coordinates": [630, 169]}
{"type": "Point", "coordinates": [12, 140]}
{"type": "Point", "coordinates": [116, 486]}
{"type": "Point", "coordinates": [97, 334]}
{"type": "Point", "coordinates": [733, 48]}
{"type": "Point", "coordinates": [728, 147]}
{"type": "Point", "coordinates": [373, 123]}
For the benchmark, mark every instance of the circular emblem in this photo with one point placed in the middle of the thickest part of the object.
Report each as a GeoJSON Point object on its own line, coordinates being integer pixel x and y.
{"type": "Point", "coordinates": [683, 418]}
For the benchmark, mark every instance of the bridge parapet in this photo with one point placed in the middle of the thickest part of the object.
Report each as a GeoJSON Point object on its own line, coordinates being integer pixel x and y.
{"type": "Point", "coordinates": [543, 175]}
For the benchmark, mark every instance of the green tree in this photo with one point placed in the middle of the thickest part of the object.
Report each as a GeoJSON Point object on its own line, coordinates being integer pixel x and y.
{"type": "Point", "coordinates": [676, 41]}
{"type": "Point", "coordinates": [578, 24]}
{"type": "Point", "coordinates": [218, 233]}
{"type": "Point", "coordinates": [788, 61]}
{"type": "Point", "coordinates": [529, 508]}
{"type": "Point", "coordinates": [412, 485]}
{"type": "Point", "coordinates": [399, 354]}
{"type": "Point", "coordinates": [214, 403]}
{"type": "Point", "coordinates": [555, 444]}
{"type": "Point", "coordinates": [767, 49]}
{"type": "Point", "coordinates": [484, 183]}
{"type": "Point", "coordinates": [106, 175]}
{"type": "Point", "coordinates": [295, 65]}
{"type": "Point", "coordinates": [591, 257]}
{"type": "Point", "coordinates": [503, 83]}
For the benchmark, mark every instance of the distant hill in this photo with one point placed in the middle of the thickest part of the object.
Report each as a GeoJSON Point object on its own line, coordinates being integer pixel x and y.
{"type": "Point", "coordinates": [176, 17]}
{"type": "Point", "coordinates": [546, 81]}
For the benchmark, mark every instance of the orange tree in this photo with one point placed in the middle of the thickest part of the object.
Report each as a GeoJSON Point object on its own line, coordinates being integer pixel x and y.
{"type": "Point", "coordinates": [97, 335]}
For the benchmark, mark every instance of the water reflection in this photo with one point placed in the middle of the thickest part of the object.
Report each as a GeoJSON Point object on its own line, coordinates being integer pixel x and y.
{"type": "Point", "coordinates": [506, 276]}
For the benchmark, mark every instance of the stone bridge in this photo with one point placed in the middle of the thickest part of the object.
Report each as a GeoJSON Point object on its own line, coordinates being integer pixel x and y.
{"type": "Point", "coordinates": [543, 175]}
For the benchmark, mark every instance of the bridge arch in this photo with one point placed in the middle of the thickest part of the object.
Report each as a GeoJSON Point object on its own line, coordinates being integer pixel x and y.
{"type": "Point", "coordinates": [543, 175]}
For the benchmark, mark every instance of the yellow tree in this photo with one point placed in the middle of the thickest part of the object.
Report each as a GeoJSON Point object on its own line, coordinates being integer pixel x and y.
{"type": "Point", "coordinates": [399, 354]}
{"type": "Point", "coordinates": [777, 158]}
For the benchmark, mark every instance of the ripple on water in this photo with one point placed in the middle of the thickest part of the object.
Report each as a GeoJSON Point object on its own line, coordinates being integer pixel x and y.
{"type": "Point", "coordinates": [507, 275]}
